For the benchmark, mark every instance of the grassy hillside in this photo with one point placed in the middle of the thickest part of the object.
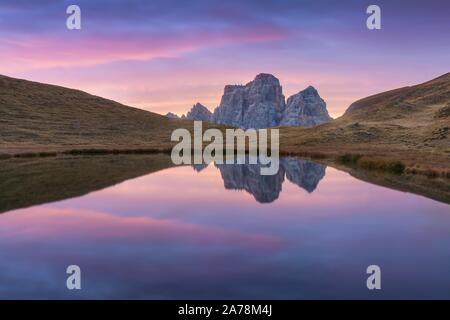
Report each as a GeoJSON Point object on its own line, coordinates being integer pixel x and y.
{"type": "Point", "coordinates": [411, 124]}
{"type": "Point", "coordinates": [41, 117]}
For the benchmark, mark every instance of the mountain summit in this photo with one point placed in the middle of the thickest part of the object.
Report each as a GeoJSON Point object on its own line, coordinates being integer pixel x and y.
{"type": "Point", "coordinates": [199, 113]}
{"type": "Point", "coordinates": [305, 109]}
{"type": "Point", "coordinates": [261, 104]}
{"type": "Point", "coordinates": [258, 104]}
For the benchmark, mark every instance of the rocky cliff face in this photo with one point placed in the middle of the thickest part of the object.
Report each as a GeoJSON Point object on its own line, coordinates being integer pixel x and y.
{"type": "Point", "coordinates": [305, 109]}
{"type": "Point", "coordinates": [261, 104]}
{"type": "Point", "coordinates": [199, 113]}
{"type": "Point", "coordinates": [258, 104]}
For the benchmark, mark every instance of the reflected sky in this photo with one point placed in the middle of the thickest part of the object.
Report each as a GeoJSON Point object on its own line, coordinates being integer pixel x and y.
{"type": "Point", "coordinates": [180, 234]}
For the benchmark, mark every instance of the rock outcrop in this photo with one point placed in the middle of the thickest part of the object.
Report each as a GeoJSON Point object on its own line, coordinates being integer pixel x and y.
{"type": "Point", "coordinates": [258, 104]}
{"type": "Point", "coordinates": [199, 113]}
{"type": "Point", "coordinates": [261, 104]}
{"type": "Point", "coordinates": [305, 109]}
{"type": "Point", "coordinates": [171, 115]}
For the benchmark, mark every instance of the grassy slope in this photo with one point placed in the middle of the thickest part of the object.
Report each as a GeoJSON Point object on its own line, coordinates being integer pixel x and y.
{"type": "Point", "coordinates": [41, 117]}
{"type": "Point", "coordinates": [411, 124]}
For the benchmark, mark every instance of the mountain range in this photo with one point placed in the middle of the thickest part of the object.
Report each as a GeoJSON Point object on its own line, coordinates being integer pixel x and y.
{"type": "Point", "coordinates": [261, 104]}
{"type": "Point", "coordinates": [410, 124]}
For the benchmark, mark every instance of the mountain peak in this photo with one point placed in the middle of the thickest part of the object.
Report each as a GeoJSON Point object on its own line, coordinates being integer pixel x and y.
{"type": "Point", "coordinates": [199, 112]}
{"type": "Point", "coordinates": [267, 78]}
{"type": "Point", "coordinates": [310, 90]}
{"type": "Point", "coordinates": [257, 105]}
{"type": "Point", "coordinates": [305, 109]}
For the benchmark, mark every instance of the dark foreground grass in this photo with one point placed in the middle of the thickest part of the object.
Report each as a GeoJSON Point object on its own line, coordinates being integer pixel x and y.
{"type": "Point", "coordinates": [364, 162]}
{"type": "Point", "coordinates": [115, 151]}
{"type": "Point", "coordinates": [35, 155]}
{"type": "Point", "coordinates": [381, 164]}
{"type": "Point", "coordinates": [349, 158]}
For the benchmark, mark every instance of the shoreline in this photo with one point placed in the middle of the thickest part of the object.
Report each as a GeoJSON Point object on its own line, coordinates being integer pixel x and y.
{"type": "Point", "coordinates": [400, 164]}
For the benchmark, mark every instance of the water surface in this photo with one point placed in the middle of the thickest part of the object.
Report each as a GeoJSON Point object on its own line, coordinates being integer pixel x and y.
{"type": "Point", "coordinates": [225, 232]}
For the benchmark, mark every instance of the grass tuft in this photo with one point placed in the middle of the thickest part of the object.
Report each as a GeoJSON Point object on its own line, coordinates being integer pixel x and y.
{"type": "Point", "coordinates": [367, 163]}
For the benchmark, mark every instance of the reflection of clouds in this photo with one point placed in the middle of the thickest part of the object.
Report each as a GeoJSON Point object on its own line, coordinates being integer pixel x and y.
{"type": "Point", "coordinates": [48, 223]}
{"type": "Point", "coordinates": [120, 256]}
{"type": "Point", "coordinates": [211, 243]}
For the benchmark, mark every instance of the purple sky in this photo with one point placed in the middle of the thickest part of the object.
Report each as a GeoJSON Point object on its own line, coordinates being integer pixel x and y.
{"type": "Point", "coordinates": [165, 55]}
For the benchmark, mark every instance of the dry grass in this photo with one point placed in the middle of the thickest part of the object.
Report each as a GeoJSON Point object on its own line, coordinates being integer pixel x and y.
{"type": "Point", "coordinates": [407, 125]}
{"type": "Point", "coordinates": [393, 166]}
{"type": "Point", "coordinates": [37, 117]}
{"type": "Point", "coordinates": [399, 125]}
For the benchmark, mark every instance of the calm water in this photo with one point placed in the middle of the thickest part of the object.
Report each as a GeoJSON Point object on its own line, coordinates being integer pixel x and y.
{"type": "Point", "coordinates": [225, 232]}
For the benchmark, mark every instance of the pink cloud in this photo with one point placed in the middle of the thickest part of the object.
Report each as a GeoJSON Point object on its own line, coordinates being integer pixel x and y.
{"type": "Point", "coordinates": [82, 49]}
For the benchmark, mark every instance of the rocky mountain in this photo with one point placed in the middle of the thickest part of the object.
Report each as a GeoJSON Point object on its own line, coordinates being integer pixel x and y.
{"type": "Point", "coordinates": [199, 113]}
{"type": "Point", "coordinates": [305, 109]}
{"type": "Point", "coordinates": [258, 104]}
{"type": "Point", "coordinates": [261, 104]}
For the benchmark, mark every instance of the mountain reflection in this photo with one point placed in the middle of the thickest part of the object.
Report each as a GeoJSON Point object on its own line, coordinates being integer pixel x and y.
{"type": "Point", "coordinates": [266, 189]}
{"type": "Point", "coordinates": [29, 181]}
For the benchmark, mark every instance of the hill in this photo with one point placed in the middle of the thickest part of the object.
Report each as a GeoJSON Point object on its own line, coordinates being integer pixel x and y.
{"type": "Point", "coordinates": [42, 117]}
{"type": "Point", "coordinates": [409, 124]}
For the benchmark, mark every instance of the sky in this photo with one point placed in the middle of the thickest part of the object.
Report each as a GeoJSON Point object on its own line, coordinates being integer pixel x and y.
{"type": "Point", "coordinates": [166, 55]}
